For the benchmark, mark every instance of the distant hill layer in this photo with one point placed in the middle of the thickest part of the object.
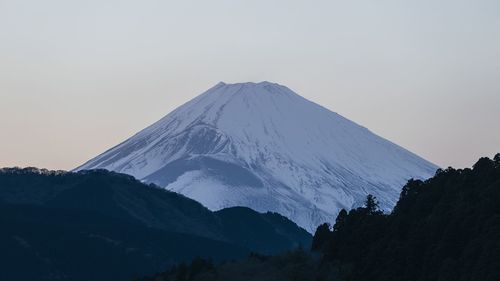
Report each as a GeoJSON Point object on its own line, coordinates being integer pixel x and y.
{"type": "Point", "coordinates": [100, 225]}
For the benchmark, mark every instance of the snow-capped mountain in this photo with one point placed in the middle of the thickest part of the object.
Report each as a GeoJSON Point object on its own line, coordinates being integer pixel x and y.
{"type": "Point", "coordinates": [263, 146]}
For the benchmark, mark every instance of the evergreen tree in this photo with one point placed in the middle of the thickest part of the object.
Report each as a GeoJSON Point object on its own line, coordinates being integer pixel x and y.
{"type": "Point", "coordinates": [321, 236]}
{"type": "Point", "coordinates": [371, 204]}
{"type": "Point", "coordinates": [340, 221]}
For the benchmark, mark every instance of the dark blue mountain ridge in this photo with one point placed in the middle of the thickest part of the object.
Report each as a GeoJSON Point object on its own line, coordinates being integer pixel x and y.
{"type": "Point", "coordinates": [101, 225]}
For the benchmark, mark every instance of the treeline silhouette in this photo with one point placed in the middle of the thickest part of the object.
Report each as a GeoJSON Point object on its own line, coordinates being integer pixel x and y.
{"type": "Point", "coordinates": [444, 228]}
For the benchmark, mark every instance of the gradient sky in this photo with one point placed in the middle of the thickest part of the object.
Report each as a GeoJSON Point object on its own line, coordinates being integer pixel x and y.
{"type": "Point", "coordinates": [77, 77]}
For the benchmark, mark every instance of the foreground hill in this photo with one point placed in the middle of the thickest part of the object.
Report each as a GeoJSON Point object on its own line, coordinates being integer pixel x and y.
{"type": "Point", "coordinates": [263, 146]}
{"type": "Point", "coordinates": [446, 228]}
{"type": "Point", "coordinates": [99, 225]}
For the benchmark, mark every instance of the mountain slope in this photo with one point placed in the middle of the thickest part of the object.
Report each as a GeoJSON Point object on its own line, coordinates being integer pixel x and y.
{"type": "Point", "coordinates": [43, 243]}
{"type": "Point", "coordinates": [107, 206]}
{"type": "Point", "coordinates": [263, 146]}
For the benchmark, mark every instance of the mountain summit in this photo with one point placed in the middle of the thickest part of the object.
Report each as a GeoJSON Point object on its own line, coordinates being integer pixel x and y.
{"type": "Point", "coordinates": [262, 146]}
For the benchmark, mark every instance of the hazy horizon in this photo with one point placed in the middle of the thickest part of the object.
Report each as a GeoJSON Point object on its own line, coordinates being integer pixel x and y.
{"type": "Point", "coordinates": [80, 77]}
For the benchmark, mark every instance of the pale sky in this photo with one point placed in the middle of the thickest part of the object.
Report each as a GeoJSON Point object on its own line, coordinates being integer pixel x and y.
{"type": "Point", "coordinates": [77, 77]}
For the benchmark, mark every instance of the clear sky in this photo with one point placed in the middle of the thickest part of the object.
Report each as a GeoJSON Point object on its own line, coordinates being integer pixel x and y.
{"type": "Point", "coordinates": [77, 77]}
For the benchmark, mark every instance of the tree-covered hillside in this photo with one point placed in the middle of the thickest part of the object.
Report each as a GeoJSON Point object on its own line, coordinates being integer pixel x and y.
{"type": "Point", "coordinates": [100, 225]}
{"type": "Point", "coordinates": [446, 228]}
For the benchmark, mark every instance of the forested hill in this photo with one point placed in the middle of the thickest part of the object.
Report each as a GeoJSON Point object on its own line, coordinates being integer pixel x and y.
{"type": "Point", "coordinates": [100, 225]}
{"type": "Point", "coordinates": [446, 228]}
